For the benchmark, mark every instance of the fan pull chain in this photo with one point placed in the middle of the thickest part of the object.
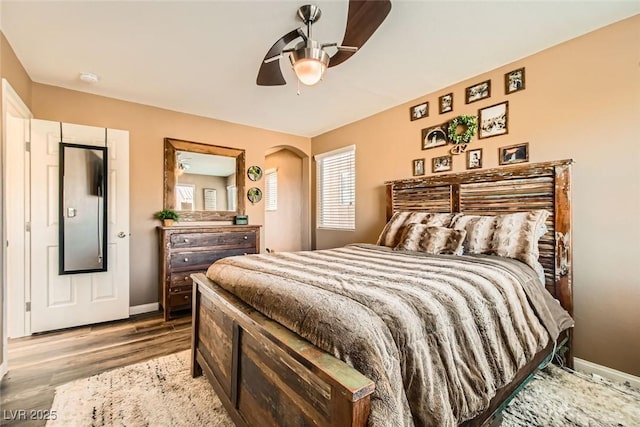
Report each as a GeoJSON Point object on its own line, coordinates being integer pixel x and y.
{"type": "Point", "coordinates": [298, 91]}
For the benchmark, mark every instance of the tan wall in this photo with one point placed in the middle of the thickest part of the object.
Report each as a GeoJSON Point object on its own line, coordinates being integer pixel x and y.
{"type": "Point", "coordinates": [283, 227]}
{"type": "Point", "coordinates": [582, 101]}
{"type": "Point", "coordinates": [147, 127]}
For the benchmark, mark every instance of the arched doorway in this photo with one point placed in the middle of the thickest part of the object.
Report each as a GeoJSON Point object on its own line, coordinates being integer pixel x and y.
{"type": "Point", "coordinates": [287, 218]}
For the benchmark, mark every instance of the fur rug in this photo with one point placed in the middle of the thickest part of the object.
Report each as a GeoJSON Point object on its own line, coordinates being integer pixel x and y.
{"type": "Point", "coordinates": [161, 392]}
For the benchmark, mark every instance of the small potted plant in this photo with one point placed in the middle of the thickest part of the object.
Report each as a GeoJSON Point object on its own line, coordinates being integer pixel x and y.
{"type": "Point", "coordinates": [168, 216]}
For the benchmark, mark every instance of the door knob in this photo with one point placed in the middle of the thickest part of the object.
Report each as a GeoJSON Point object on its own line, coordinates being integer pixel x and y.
{"type": "Point", "coordinates": [122, 235]}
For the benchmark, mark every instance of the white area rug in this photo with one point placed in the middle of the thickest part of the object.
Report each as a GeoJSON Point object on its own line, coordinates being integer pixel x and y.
{"type": "Point", "coordinates": [161, 392]}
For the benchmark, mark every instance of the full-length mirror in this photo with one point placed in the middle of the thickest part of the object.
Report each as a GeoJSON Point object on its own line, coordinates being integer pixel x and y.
{"type": "Point", "coordinates": [203, 182]}
{"type": "Point", "coordinates": [82, 209]}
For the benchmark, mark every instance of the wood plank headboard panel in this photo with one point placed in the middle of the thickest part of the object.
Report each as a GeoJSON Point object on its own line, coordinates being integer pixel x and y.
{"type": "Point", "coordinates": [498, 191]}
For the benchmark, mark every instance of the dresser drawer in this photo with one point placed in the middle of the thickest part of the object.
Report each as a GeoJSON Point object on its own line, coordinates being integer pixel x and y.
{"type": "Point", "coordinates": [180, 300]}
{"type": "Point", "coordinates": [230, 238]}
{"type": "Point", "coordinates": [182, 279]}
{"type": "Point", "coordinates": [201, 260]}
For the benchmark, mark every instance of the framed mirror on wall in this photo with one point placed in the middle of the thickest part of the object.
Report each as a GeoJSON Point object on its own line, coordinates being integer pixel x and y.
{"type": "Point", "coordinates": [202, 182]}
{"type": "Point", "coordinates": [82, 209]}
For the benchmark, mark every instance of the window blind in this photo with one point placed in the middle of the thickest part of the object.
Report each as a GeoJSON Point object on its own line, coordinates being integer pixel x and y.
{"type": "Point", "coordinates": [336, 189]}
{"type": "Point", "coordinates": [271, 189]}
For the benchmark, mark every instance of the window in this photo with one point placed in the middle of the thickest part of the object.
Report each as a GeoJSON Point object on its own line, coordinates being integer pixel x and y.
{"type": "Point", "coordinates": [184, 197]}
{"type": "Point", "coordinates": [271, 189]}
{"type": "Point", "coordinates": [336, 189]}
{"type": "Point", "coordinates": [232, 197]}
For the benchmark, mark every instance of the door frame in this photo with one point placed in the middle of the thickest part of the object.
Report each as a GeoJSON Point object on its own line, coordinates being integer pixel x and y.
{"type": "Point", "coordinates": [11, 101]}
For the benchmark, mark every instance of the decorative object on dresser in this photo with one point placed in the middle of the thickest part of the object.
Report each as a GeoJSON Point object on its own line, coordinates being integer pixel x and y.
{"type": "Point", "coordinates": [514, 81]}
{"type": "Point", "coordinates": [477, 92]}
{"type": "Point", "coordinates": [167, 216]}
{"type": "Point", "coordinates": [445, 103]}
{"type": "Point", "coordinates": [418, 167]}
{"type": "Point", "coordinates": [187, 249]}
{"type": "Point", "coordinates": [441, 164]}
{"type": "Point", "coordinates": [474, 158]}
{"type": "Point", "coordinates": [434, 136]}
{"type": "Point", "coordinates": [419, 111]}
{"type": "Point", "coordinates": [494, 120]}
{"type": "Point", "coordinates": [518, 153]}
{"type": "Point", "coordinates": [254, 173]}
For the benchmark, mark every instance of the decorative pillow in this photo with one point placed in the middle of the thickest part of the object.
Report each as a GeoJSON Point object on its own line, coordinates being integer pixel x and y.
{"type": "Point", "coordinates": [432, 240]}
{"type": "Point", "coordinates": [391, 232]}
{"type": "Point", "coordinates": [513, 235]}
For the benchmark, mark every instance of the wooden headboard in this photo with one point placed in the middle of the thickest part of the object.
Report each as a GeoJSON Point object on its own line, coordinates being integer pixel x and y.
{"type": "Point", "coordinates": [504, 190]}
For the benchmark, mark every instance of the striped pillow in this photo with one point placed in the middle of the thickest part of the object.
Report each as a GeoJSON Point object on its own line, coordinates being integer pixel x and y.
{"type": "Point", "coordinates": [513, 235]}
{"type": "Point", "coordinates": [431, 240]}
{"type": "Point", "coordinates": [391, 232]}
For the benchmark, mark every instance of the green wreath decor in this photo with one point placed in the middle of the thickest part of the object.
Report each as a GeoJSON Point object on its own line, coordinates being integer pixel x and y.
{"type": "Point", "coordinates": [470, 123]}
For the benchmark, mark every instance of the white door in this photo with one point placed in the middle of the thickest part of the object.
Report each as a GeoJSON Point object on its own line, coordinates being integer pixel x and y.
{"type": "Point", "coordinates": [61, 301]}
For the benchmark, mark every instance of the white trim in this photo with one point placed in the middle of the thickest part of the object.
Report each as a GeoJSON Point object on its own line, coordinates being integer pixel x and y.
{"type": "Point", "coordinates": [10, 101]}
{"type": "Point", "coordinates": [321, 156]}
{"type": "Point", "coordinates": [603, 371]}
{"type": "Point", "coordinates": [144, 308]}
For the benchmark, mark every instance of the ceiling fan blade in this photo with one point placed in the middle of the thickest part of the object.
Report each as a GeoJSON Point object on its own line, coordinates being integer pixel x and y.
{"type": "Point", "coordinates": [363, 19]}
{"type": "Point", "coordinates": [270, 73]}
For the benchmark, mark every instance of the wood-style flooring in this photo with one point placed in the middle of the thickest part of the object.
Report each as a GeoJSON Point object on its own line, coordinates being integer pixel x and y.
{"type": "Point", "coordinates": [40, 363]}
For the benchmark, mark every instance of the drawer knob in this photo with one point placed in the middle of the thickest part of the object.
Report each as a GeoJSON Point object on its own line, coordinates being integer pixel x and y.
{"type": "Point", "coordinates": [245, 253]}
{"type": "Point", "coordinates": [186, 240]}
{"type": "Point", "coordinates": [246, 237]}
{"type": "Point", "coordinates": [186, 259]}
{"type": "Point", "coordinates": [186, 297]}
{"type": "Point", "coordinates": [186, 278]}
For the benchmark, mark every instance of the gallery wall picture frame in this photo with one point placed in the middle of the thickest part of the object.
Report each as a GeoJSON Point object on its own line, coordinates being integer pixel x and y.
{"type": "Point", "coordinates": [493, 120]}
{"type": "Point", "coordinates": [510, 154]}
{"type": "Point", "coordinates": [474, 158]}
{"type": "Point", "coordinates": [445, 103]}
{"type": "Point", "coordinates": [477, 92]}
{"type": "Point", "coordinates": [514, 81]}
{"type": "Point", "coordinates": [435, 136]}
{"type": "Point", "coordinates": [419, 111]}
{"type": "Point", "coordinates": [441, 164]}
{"type": "Point", "coordinates": [418, 167]}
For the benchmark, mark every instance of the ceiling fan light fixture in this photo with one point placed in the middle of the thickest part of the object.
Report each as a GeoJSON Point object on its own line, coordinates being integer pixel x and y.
{"type": "Point", "coordinates": [309, 64]}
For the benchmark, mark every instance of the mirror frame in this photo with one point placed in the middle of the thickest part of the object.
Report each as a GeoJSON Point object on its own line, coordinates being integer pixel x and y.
{"type": "Point", "coordinates": [61, 210]}
{"type": "Point", "coordinates": [171, 146]}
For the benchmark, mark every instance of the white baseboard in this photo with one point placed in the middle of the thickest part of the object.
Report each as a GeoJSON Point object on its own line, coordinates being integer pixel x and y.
{"type": "Point", "coordinates": [603, 371]}
{"type": "Point", "coordinates": [144, 308]}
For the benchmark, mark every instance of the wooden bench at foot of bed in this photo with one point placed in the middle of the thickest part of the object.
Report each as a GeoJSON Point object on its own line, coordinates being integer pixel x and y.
{"type": "Point", "coordinates": [266, 375]}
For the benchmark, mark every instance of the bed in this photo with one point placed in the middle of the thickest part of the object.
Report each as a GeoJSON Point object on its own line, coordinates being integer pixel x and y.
{"type": "Point", "coordinates": [265, 374]}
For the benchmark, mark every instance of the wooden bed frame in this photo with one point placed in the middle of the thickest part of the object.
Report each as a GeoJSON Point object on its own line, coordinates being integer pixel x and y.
{"type": "Point", "coordinates": [264, 374]}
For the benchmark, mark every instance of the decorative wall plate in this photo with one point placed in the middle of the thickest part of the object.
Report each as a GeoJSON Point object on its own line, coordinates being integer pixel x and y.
{"type": "Point", "coordinates": [254, 194]}
{"type": "Point", "coordinates": [254, 173]}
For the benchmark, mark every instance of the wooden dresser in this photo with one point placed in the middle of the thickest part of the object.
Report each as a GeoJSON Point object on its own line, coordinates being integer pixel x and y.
{"type": "Point", "coordinates": [192, 249]}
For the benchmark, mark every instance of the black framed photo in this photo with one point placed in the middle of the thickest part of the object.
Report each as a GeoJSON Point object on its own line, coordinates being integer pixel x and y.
{"type": "Point", "coordinates": [419, 111]}
{"type": "Point", "coordinates": [441, 164]}
{"type": "Point", "coordinates": [418, 167]}
{"type": "Point", "coordinates": [474, 158]}
{"type": "Point", "coordinates": [478, 91]}
{"type": "Point", "coordinates": [493, 120]}
{"type": "Point", "coordinates": [433, 137]}
{"type": "Point", "coordinates": [514, 81]}
{"type": "Point", "coordinates": [445, 103]}
{"type": "Point", "coordinates": [518, 153]}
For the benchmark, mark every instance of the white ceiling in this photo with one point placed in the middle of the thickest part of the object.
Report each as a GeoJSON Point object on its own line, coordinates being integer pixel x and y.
{"type": "Point", "coordinates": [202, 57]}
{"type": "Point", "coordinates": [207, 164]}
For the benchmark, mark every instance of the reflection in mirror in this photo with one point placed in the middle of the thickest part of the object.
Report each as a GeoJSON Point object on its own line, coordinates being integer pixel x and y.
{"type": "Point", "coordinates": [203, 181]}
{"type": "Point", "coordinates": [82, 209]}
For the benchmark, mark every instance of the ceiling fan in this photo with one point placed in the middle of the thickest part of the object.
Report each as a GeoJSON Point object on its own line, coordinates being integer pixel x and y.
{"type": "Point", "coordinates": [308, 57]}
